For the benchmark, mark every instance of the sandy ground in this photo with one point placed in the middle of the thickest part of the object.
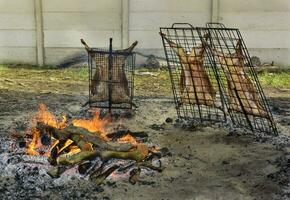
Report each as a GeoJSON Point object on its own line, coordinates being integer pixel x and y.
{"type": "Point", "coordinates": [206, 163]}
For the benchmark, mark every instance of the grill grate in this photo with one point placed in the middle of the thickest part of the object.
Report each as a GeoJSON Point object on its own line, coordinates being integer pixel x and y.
{"type": "Point", "coordinates": [195, 88]}
{"type": "Point", "coordinates": [245, 98]}
{"type": "Point", "coordinates": [111, 77]}
{"type": "Point", "coordinates": [213, 77]}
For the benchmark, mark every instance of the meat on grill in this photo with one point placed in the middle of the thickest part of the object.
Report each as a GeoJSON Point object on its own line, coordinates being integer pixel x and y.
{"type": "Point", "coordinates": [119, 84]}
{"type": "Point", "coordinates": [239, 84]}
{"type": "Point", "coordinates": [195, 85]}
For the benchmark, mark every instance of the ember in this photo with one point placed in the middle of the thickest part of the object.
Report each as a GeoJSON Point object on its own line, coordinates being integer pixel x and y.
{"type": "Point", "coordinates": [82, 142]}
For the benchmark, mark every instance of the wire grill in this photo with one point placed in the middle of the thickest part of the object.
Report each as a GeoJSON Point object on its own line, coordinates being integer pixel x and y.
{"type": "Point", "coordinates": [194, 79]}
{"type": "Point", "coordinates": [245, 98]}
{"type": "Point", "coordinates": [111, 78]}
{"type": "Point", "coordinates": [213, 78]}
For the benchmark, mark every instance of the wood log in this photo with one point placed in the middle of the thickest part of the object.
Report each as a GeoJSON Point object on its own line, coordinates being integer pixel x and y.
{"type": "Point", "coordinates": [82, 136]}
{"type": "Point", "coordinates": [99, 178]}
{"type": "Point", "coordinates": [149, 165]}
{"type": "Point", "coordinates": [136, 155]}
{"type": "Point", "coordinates": [134, 175]}
{"type": "Point", "coordinates": [140, 136]}
{"type": "Point", "coordinates": [56, 172]}
{"type": "Point", "coordinates": [76, 158]}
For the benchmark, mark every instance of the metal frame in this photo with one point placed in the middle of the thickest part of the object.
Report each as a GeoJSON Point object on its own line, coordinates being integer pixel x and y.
{"type": "Point", "coordinates": [107, 64]}
{"type": "Point", "coordinates": [246, 96]}
{"type": "Point", "coordinates": [190, 95]}
{"type": "Point", "coordinates": [228, 65]}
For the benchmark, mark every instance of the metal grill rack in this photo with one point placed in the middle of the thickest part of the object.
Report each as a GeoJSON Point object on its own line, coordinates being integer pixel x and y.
{"type": "Point", "coordinates": [196, 91]}
{"type": "Point", "coordinates": [245, 99]}
{"type": "Point", "coordinates": [111, 77]}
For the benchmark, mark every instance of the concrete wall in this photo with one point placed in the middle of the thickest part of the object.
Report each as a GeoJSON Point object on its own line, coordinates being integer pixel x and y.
{"type": "Point", "coordinates": [263, 23]}
{"type": "Point", "coordinates": [66, 21]}
{"type": "Point", "coordinates": [17, 31]}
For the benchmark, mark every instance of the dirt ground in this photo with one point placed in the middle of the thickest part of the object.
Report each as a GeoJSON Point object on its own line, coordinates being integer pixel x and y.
{"type": "Point", "coordinates": [206, 162]}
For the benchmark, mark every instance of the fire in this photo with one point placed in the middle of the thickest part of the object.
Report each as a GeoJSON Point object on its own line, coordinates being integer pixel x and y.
{"type": "Point", "coordinates": [95, 125]}
{"type": "Point", "coordinates": [128, 138]}
{"type": "Point", "coordinates": [48, 118]}
{"type": "Point", "coordinates": [34, 143]}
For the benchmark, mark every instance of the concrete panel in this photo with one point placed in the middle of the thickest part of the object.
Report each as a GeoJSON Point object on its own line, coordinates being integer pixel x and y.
{"type": "Point", "coordinates": [266, 39]}
{"type": "Point", "coordinates": [147, 39]}
{"type": "Point", "coordinates": [170, 6]}
{"type": "Point", "coordinates": [54, 56]}
{"type": "Point", "coordinates": [11, 55]}
{"type": "Point", "coordinates": [72, 38]}
{"type": "Point", "coordinates": [95, 6]}
{"type": "Point", "coordinates": [82, 21]}
{"type": "Point", "coordinates": [254, 5]}
{"type": "Point", "coordinates": [24, 21]}
{"type": "Point", "coordinates": [16, 6]}
{"type": "Point", "coordinates": [17, 38]}
{"type": "Point", "coordinates": [257, 20]}
{"type": "Point", "coordinates": [279, 56]}
{"type": "Point", "coordinates": [146, 21]}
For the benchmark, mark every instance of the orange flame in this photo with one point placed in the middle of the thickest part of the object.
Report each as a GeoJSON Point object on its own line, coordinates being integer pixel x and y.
{"type": "Point", "coordinates": [34, 143]}
{"type": "Point", "coordinates": [94, 125]}
{"type": "Point", "coordinates": [128, 138]}
{"type": "Point", "coordinates": [48, 118]}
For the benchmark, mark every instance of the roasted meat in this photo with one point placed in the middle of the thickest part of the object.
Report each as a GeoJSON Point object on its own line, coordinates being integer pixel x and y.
{"type": "Point", "coordinates": [195, 85]}
{"type": "Point", "coordinates": [243, 95]}
{"type": "Point", "coordinates": [119, 83]}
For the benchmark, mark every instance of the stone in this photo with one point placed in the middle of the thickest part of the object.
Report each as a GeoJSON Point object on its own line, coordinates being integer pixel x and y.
{"type": "Point", "coordinates": [256, 61]}
{"type": "Point", "coordinates": [152, 62]}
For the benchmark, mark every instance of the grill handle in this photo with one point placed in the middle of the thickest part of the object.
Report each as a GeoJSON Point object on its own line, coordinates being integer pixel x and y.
{"type": "Point", "coordinates": [85, 44]}
{"type": "Point", "coordinates": [181, 24]}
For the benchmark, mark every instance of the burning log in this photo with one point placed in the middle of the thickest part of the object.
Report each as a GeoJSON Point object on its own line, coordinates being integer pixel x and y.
{"type": "Point", "coordinates": [139, 136]}
{"type": "Point", "coordinates": [195, 85]}
{"type": "Point", "coordinates": [132, 155]}
{"type": "Point", "coordinates": [76, 158]}
{"type": "Point", "coordinates": [86, 146]}
{"type": "Point", "coordinates": [105, 155]}
{"type": "Point", "coordinates": [119, 84]}
{"type": "Point", "coordinates": [81, 136]}
{"type": "Point", "coordinates": [242, 93]}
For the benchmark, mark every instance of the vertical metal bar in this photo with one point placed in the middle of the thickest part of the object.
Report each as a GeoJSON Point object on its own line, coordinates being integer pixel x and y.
{"type": "Point", "coordinates": [132, 64]}
{"type": "Point", "coordinates": [171, 76]}
{"type": "Point", "coordinates": [90, 76]}
{"type": "Point", "coordinates": [110, 67]}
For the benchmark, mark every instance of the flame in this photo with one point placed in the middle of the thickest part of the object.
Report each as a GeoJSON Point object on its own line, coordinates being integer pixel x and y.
{"type": "Point", "coordinates": [128, 138]}
{"type": "Point", "coordinates": [34, 143]}
{"type": "Point", "coordinates": [48, 118]}
{"type": "Point", "coordinates": [94, 125]}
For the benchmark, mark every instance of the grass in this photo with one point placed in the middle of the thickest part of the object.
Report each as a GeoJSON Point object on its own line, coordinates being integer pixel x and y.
{"type": "Point", "coordinates": [276, 80]}
{"type": "Point", "coordinates": [156, 82]}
